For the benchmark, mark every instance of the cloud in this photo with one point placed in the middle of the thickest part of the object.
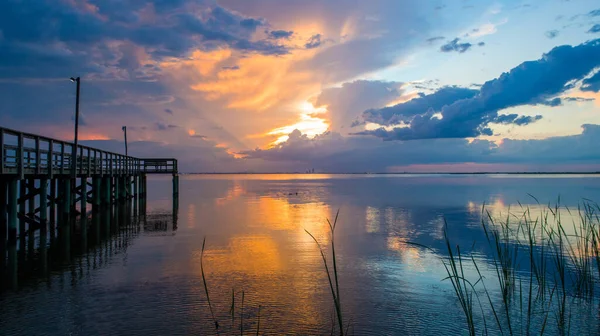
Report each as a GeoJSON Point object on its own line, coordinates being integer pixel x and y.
{"type": "Point", "coordinates": [595, 29]}
{"type": "Point", "coordinates": [578, 99]}
{"type": "Point", "coordinates": [163, 127]}
{"type": "Point", "coordinates": [331, 152]}
{"type": "Point", "coordinates": [405, 112]}
{"type": "Point", "coordinates": [313, 42]}
{"type": "Point", "coordinates": [169, 111]}
{"type": "Point", "coordinates": [594, 13]}
{"type": "Point", "coordinates": [552, 33]}
{"type": "Point", "coordinates": [455, 46]}
{"type": "Point", "coordinates": [434, 39]}
{"type": "Point", "coordinates": [592, 83]}
{"type": "Point", "coordinates": [481, 44]}
{"type": "Point", "coordinates": [483, 30]}
{"type": "Point", "coordinates": [50, 39]}
{"type": "Point", "coordinates": [281, 34]}
{"type": "Point", "coordinates": [530, 83]}
{"type": "Point", "coordinates": [516, 119]}
{"type": "Point", "coordinates": [345, 104]}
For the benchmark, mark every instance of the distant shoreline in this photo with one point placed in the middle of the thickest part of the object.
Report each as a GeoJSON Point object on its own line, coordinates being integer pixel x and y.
{"type": "Point", "coordinates": [403, 173]}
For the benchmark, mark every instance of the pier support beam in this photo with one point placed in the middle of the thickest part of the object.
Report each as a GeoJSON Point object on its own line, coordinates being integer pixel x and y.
{"type": "Point", "coordinates": [31, 214]}
{"type": "Point", "coordinates": [66, 202]}
{"type": "Point", "coordinates": [135, 195]}
{"type": "Point", "coordinates": [83, 210]}
{"type": "Point", "coordinates": [96, 206]}
{"type": "Point", "coordinates": [22, 209]}
{"type": "Point", "coordinates": [12, 211]}
{"type": "Point", "coordinates": [3, 223]}
{"type": "Point", "coordinates": [44, 204]}
{"type": "Point", "coordinates": [44, 223]}
{"type": "Point", "coordinates": [52, 222]}
{"type": "Point", "coordinates": [175, 186]}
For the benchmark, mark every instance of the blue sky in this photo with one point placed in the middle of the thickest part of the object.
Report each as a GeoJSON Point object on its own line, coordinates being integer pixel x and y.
{"type": "Point", "coordinates": [338, 86]}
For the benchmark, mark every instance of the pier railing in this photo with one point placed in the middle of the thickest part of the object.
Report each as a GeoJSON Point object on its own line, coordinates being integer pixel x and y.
{"type": "Point", "coordinates": [30, 154]}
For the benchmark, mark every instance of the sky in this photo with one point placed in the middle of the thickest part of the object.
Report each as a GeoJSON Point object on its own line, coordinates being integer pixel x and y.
{"type": "Point", "coordinates": [295, 85]}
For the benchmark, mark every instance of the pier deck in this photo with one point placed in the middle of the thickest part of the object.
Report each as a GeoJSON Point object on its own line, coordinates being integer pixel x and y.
{"type": "Point", "coordinates": [48, 187]}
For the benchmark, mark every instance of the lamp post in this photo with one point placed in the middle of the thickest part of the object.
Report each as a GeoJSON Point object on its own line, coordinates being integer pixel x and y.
{"type": "Point", "coordinates": [74, 151]}
{"type": "Point", "coordinates": [125, 133]}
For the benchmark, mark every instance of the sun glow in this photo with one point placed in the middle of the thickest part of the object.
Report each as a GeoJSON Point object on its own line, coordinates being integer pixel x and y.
{"type": "Point", "coordinates": [310, 124]}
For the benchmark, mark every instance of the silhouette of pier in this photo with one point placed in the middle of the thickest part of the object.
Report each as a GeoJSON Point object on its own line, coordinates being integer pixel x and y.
{"type": "Point", "coordinates": [58, 196]}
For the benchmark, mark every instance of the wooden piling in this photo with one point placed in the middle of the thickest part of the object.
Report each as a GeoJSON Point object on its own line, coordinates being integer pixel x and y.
{"type": "Point", "coordinates": [52, 221]}
{"type": "Point", "coordinates": [22, 209]}
{"type": "Point", "coordinates": [3, 223]}
{"type": "Point", "coordinates": [83, 211]}
{"type": "Point", "coordinates": [44, 205]}
{"type": "Point", "coordinates": [44, 222]}
{"type": "Point", "coordinates": [12, 211]}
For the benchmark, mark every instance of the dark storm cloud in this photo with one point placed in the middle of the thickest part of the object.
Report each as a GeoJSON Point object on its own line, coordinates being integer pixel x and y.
{"type": "Point", "coordinates": [552, 33]}
{"type": "Point", "coordinates": [406, 111]}
{"type": "Point", "coordinates": [454, 45]}
{"type": "Point", "coordinates": [530, 83]}
{"type": "Point", "coordinates": [277, 34]}
{"type": "Point", "coordinates": [47, 38]}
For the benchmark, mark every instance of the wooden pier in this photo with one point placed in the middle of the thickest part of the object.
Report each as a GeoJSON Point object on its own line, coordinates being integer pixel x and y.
{"type": "Point", "coordinates": [50, 188]}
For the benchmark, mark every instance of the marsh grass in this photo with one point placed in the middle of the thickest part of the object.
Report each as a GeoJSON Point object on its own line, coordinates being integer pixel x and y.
{"type": "Point", "coordinates": [542, 267]}
{"type": "Point", "coordinates": [232, 307]}
{"type": "Point", "coordinates": [539, 264]}
{"type": "Point", "coordinates": [335, 289]}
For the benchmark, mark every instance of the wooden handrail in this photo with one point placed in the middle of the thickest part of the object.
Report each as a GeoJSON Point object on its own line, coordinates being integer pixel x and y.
{"type": "Point", "coordinates": [20, 158]}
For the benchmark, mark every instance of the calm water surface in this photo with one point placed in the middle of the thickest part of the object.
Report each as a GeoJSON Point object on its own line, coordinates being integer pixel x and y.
{"type": "Point", "coordinates": [148, 281]}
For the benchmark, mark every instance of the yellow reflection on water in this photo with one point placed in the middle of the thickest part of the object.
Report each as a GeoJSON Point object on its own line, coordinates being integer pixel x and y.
{"type": "Point", "coordinates": [265, 242]}
{"type": "Point", "coordinates": [410, 255]}
{"type": "Point", "coordinates": [191, 214]}
{"type": "Point", "coordinates": [373, 223]}
{"type": "Point", "coordinates": [252, 255]}
{"type": "Point", "coordinates": [232, 193]}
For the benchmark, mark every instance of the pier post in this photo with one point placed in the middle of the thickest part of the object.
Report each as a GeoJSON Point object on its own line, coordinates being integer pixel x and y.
{"type": "Point", "coordinates": [52, 222]}
{"type": "Point", "coordinates": [44, 223]}
{"type": "Point", "coordinates": [44, 204]}
{"type": "Point", "coordinates": [83, 211]}
{"type": "Point", "coordinates": [12, 211]}
{"type": "Point", "coordinates": [135, 195]}
{"type": "Point", "coordinates": [22, 210]}
{"type": "Point", "coordinates": [3, 223]}
{"type": "Point", "coordinates": [66, 202]}
{"type": "Point", "coordinates": [175, 186]}
{"type": "Point", "coordinates": [96, 206]}
{"type": "Point", "coordinates": [106, 202]}
{"type": "Point", "coordinates": [31, 214]}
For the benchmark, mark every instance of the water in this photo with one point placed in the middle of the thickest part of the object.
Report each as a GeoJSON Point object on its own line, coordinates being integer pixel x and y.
{"type": "Point", "coordinates": [147, 279]}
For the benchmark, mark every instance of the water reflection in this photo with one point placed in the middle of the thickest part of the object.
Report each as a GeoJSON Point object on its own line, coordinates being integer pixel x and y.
{"type": "Point", "coordinates": [256, 243]}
